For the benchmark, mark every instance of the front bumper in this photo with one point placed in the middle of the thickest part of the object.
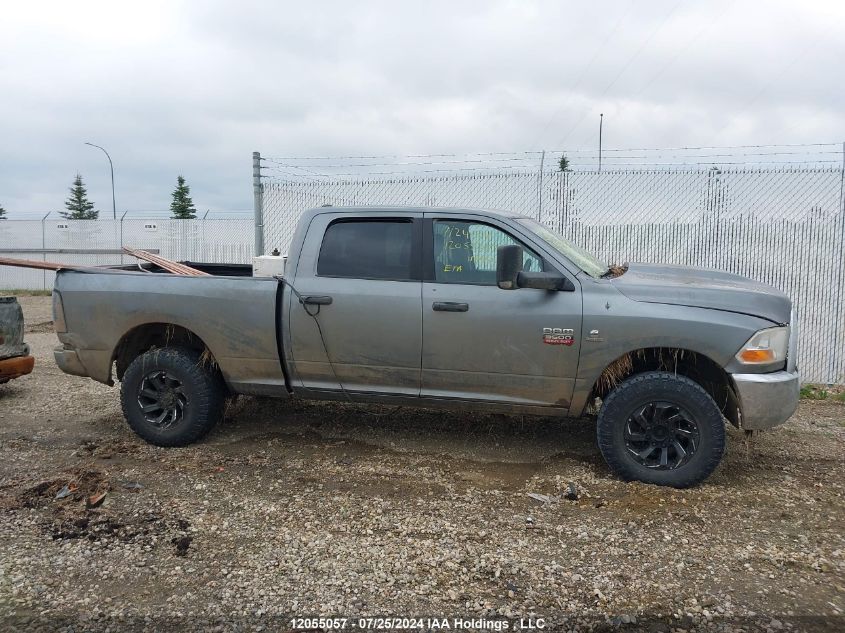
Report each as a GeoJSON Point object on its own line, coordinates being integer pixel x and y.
{"type": "Point", "coordinates": [15, 367]}
{"type": "Point", "coordinates": [766, 400]}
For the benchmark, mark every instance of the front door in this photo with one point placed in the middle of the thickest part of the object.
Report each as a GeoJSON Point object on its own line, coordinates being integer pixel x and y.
{"type": "Point", "coordinates": [369, 338]}
{"type": "Point", "coordinates": [486, 344]}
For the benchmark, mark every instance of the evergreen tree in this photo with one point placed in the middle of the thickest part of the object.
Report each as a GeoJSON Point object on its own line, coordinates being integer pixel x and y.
{"type": "Point", "coordinates": [182, 205]}
{"type": "Point", "coordinates": [78, 206]}
{"type": "Point", "coordinates": [564, 163]}
{"type": "Point", "coordinates": [2, 212]}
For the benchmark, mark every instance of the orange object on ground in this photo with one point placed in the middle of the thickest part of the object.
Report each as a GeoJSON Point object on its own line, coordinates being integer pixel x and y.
{"type": "Point", "coordinates": [16, 367]}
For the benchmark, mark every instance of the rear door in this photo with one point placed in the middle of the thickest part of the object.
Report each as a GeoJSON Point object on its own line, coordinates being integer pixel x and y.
{"type": "Point", "coordinates": [369, 269]}
{"type": "Point", "coordinates": [484, 343]}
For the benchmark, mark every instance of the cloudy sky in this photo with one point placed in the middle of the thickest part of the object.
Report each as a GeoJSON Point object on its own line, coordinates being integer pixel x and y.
{"type": "Point", "coordinates": [195, 87]}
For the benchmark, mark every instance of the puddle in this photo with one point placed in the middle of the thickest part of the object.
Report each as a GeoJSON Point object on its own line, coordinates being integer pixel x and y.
{"type": "Point", "coordinates": [498, 475]}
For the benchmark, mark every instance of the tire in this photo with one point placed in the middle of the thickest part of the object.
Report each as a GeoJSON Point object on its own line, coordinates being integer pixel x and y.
{"type": "Point", "coordinates": [662, 429]}
{"type": "Point", "coordinates": [170, 397]}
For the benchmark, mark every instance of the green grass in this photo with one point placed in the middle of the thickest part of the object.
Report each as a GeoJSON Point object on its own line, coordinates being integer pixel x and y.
{"type": "Point", "coordinates": [823, 392]}
{"type": "Point", "coordinates": [20, 292]}
{"type": "Point", "coordinates": [813, 392]}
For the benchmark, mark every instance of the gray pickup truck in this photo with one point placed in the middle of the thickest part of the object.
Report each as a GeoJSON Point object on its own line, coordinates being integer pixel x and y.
{"type": "Point", "coordinates": [460, 309]}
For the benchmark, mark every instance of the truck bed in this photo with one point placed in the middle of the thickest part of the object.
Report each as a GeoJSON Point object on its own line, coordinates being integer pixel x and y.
{"type": "Point", "coordinates": [212, 268]}
{"type": "Point", "coordinates": [235, 317]}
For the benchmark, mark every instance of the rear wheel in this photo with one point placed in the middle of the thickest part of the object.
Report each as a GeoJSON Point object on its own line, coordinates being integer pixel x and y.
{"type": "Point", "coordinates": [663, 429]}
{"type": "Point", "coordinates": [170, 397]}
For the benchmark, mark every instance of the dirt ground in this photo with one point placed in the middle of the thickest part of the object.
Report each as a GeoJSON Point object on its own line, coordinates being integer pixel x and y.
{"type": "Point", "coordinates": [299, 509]}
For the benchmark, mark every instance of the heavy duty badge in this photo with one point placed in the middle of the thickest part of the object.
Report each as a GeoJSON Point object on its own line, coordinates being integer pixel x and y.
{"type": "Point", "coordinates": [558, 336]}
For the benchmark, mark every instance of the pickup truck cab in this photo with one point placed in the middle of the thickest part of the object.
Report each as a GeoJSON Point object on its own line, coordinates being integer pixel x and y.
{"type": "Point", "coordinates": [460, 309]}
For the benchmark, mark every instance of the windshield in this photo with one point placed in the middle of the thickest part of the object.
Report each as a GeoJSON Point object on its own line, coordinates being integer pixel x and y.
{"type": "Point", "coordinates": [585, 260]}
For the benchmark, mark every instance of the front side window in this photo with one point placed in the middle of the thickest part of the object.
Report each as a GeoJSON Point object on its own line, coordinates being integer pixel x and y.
{"type": "Point", "coordinates": [465, 252]}
{"type": "Point", "coordinates": [367, 249]}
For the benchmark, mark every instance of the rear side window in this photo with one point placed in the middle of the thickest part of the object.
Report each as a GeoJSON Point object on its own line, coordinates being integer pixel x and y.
{"type": "Point", "coordinates": [367, 249]}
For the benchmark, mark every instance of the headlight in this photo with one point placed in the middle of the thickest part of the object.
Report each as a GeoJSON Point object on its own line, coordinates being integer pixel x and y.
{"type": "Point", "coordinates": [766, 346]}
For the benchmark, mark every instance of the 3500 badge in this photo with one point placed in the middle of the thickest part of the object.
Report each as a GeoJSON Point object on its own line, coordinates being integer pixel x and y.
{"type": "Point", "coordinates": [558, 336]}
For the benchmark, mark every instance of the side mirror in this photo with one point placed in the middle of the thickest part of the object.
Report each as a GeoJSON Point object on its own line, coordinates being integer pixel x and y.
{"type": "Point", "coordinates": [508, 266]}
{"type": "Point", "coordinates": [544, 281]}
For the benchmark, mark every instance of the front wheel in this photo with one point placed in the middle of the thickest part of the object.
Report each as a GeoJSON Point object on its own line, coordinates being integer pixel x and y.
{"type": "Point", "coordinates": [171, 397]}
{"type": "Point", "coordinates": [662, 429]}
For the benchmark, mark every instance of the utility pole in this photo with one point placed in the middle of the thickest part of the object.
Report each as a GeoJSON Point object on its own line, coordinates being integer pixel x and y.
{"type": "Point", "coordinates": [601, 120]}
{"type": "Point", "coordinates": [258, 203]}
{"type": "Point", "coordinates": [111, 167]}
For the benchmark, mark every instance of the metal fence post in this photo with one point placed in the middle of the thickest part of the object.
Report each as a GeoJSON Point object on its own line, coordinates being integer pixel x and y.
{"type": "Point", "coordinates": [204, 225]}
{"type": "Point", "coordinates": [120, 246]}
{"type": "Point", "coordinates": [540, 188]}
{"type": "Point", "coordinates": [837, 357]}
{"type": "Point", "coordinates": [44, 248]}
{"type": "Point", "coordinates": [258, 203]}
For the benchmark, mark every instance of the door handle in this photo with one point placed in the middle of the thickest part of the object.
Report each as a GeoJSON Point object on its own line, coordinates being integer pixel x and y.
{"type": "Point", "coordinates": [449, 306]}
{"type": "Point", "coordinates": [316, 300]}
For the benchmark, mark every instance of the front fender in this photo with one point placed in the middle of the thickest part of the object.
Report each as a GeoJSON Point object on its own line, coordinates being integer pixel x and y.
{"type": "Point", "coordinates": [614, 325]}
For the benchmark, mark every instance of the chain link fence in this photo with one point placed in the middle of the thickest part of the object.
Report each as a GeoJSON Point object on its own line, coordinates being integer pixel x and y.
{"type": "Point", "coordinates": [784, 226]}
{"type": "Point", "coordinates": [206, 240]}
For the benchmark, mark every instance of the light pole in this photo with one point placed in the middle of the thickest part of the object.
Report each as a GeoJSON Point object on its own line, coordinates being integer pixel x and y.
{"type": "Point", "coordinates": [601, 120]}
{"type": "Point", "coordinates": [111, 167]}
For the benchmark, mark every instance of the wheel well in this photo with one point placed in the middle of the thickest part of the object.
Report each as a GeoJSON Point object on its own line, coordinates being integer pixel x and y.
{"type": "Point", "coordinates": [155, 335]}
{"type": "Point", "coordinates": [697, 367]}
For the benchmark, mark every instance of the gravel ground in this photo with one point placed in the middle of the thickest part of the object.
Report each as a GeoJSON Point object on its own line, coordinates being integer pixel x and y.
{"type": "Point", "coordinates": [293, 508]}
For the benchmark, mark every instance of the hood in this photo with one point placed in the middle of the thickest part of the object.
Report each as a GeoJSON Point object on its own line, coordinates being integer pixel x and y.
{"type": "Point", "coordinates": [703, 288]}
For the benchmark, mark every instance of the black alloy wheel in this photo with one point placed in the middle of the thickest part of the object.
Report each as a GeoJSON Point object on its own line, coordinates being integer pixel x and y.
{"type": "Point", "coordinates": [661, 428]}
{"type": "Point", "coordinates": [162, 399]}
{"type": "Point", "coordinates": [171, 396]}
{"type": "Point", "coordinates": [661, 435]}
